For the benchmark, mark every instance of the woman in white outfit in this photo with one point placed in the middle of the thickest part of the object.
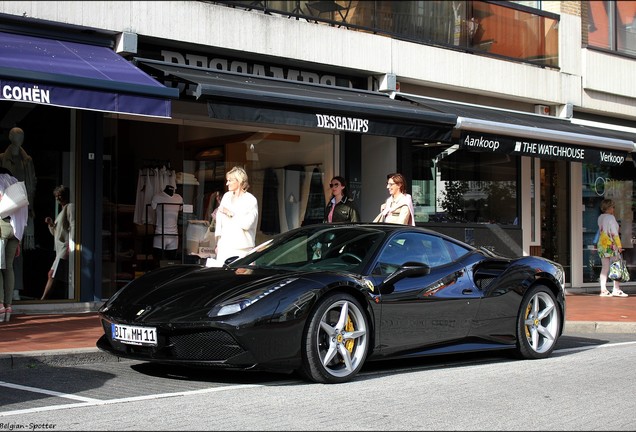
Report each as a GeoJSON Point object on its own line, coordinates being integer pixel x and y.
{"type": "Point", "coordinates": [12, 229]}
{"type": "Point", "coordinates": [236, 219]}
{"type": "Point", "coordinates": [63, 232]}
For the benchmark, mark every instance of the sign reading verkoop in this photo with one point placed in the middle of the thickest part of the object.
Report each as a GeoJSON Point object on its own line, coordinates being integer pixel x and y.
{"type": "Point", "coordinates": [472, 141]}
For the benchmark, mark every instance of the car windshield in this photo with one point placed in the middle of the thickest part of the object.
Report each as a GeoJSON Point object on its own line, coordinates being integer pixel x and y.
{"type": "Point", "coordinates": [317, 247]}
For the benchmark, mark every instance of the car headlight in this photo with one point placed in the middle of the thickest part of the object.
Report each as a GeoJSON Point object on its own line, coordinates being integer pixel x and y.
{"type": "Point", "coordinates": [243, 301]}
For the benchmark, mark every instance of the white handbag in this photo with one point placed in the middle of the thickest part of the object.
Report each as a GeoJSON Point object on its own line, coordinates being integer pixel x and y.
{"type": "Point", "coordinates": [3, 261]}
{"type": "Point", "coordinates": [13, 198]}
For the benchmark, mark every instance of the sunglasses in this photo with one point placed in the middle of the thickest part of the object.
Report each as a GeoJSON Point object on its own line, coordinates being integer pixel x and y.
{"type": "Point", "coordinates": [334, 185]}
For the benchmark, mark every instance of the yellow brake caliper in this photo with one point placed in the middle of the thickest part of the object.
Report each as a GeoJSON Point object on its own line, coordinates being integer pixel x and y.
{"type": "Point", "coordinates": [349, 327]}
{"type": "Point", "coordinates": [528, 309]}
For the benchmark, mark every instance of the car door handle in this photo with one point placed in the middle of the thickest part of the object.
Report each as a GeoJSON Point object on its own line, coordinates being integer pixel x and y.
{"type": "Point", "coordinates": [467, 291]}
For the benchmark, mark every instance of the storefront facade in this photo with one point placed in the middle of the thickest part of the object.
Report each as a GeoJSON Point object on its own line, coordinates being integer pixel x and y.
{"type": "Point", "coordinates": [461, 185]}
{"type": "Point", "coordinates": [54, 93]}
{"type": "Point", "coordinates": [513, 182]}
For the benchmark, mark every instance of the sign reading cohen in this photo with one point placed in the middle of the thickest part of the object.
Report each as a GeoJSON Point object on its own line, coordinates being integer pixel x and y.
{"type": "Point", "coordinates": [544, 150]}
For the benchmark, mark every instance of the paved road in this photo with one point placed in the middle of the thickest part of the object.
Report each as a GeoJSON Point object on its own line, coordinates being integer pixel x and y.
{"type": "Point", "coordinates": [483, 391]}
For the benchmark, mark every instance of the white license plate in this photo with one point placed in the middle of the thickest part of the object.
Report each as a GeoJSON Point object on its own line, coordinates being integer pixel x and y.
{"type": "Point", "coordinates": [134, 335]}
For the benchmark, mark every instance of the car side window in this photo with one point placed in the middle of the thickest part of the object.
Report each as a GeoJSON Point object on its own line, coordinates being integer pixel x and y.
{"type": "Point", "coordinates": [434, 250]}
{"type": "Point", "coordinates": [391, 258]}
{"type": "Point", "coordinates": [457, 250]}
{"type": "Point", "coordinates": [413, 248]}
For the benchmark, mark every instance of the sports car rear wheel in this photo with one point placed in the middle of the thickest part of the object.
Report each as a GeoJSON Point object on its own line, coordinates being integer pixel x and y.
{"type": "Point", "coordinates": [538, 323]}
{"type": "Point", "coordinates": [336, 340]}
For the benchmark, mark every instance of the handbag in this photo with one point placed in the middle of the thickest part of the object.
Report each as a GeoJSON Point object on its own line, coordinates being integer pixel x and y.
{"type": "Point", "coordinates": [13, 198]}
{"type": "Point", "coordinates": [618, 270]}
{"type": "Point", "coordinates": [3, 261]}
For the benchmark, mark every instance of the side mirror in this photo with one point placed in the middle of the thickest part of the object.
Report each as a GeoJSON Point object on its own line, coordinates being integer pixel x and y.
{"type": "Point", "coordinates": [229, 261]}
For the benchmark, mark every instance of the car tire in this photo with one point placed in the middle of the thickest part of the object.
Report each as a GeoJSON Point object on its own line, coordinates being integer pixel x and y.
{"type": "Point", "coordinates": [538, 323]}
{"type": "Point", "coordinates": [336, 340]}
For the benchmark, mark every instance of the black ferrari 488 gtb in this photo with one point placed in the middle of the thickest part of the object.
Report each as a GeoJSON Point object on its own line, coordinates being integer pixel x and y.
{"type": "Point", "coordinates": [324, 299]}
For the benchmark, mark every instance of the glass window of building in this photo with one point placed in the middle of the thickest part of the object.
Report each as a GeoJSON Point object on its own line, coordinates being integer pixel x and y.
{"type": "Point", "coordinates": [451, 185]}
{"type": "Point", "coordinates": [599, 183]}
{"type": "Point", "coordinates": [37, 147]}
{"type": "Point", "coordinates": [611, 25]}
{"type": "Point", "coordinates": [288, 173]}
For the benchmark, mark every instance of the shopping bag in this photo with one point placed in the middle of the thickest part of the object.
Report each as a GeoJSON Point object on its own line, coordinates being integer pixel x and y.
{"type": "Point", "coordinates": [14, 198]}
{"type": "Point", "coordinates": [618, 270]}
{"type": "Point", "coordinates": [3, 262]}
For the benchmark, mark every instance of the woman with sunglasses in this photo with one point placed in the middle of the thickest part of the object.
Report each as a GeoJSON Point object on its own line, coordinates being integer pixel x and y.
{"type": "Point", "coordinates": [340, 207]}
{"type": "Point", "coordinates": [398, 207]}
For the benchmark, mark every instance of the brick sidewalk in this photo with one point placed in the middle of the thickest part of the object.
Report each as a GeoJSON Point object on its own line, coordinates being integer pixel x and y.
{"type": "Point", "coordinates": [40, 332]}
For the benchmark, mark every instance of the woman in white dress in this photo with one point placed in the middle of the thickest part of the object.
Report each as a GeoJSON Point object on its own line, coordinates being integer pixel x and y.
{"type": "Point", "coordinates": [63, 232]}
{"type": "Point", "coordinates": [236, 219]}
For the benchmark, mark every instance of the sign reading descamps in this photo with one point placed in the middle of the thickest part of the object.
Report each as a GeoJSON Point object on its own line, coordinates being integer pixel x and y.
{"type": "Point", "coordinates": [256, 69]}
{"type": "Point", "coordinates": [349, 124]}
{"type": "Point", "coordinates": [544, 150]}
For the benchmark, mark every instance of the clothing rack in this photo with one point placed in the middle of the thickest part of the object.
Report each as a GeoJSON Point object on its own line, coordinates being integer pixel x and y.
{"type": "Point", "coordinates": [155, 163]}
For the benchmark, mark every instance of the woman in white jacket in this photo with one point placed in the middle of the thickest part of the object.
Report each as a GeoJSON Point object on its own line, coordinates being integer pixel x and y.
{"type": "Point", "coordinates": [12, 229]}
{"type": "Point", "coordinates": [63, 231]}
{"type": "Point", "coordinates": [236, 219]}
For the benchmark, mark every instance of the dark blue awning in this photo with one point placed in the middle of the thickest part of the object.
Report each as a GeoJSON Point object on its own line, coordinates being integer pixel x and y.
{"type": "Point", "coordinates": [75, 75]}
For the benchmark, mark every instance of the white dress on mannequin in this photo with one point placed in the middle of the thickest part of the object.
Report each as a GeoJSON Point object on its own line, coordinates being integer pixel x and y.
{"type": "Point", "coordinates": [167, 209]}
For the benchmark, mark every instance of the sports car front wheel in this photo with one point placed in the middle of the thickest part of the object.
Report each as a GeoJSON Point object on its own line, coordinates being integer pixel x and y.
{"type": "Point", "coordinates": [336, 340]}
{"type": "Point", "coordinates": [538, 324]}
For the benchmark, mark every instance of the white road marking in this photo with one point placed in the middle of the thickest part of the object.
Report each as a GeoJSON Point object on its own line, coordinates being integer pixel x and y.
{"type": "Point", "coordinates": [95, 402]}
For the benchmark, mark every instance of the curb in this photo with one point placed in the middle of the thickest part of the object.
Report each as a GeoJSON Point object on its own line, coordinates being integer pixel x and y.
{"type": "Point", "coordinates": [599, 327]}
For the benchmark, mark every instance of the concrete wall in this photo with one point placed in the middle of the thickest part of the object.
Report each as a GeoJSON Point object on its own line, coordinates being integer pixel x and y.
{"type": "Point", "coordinates": [594, 82]}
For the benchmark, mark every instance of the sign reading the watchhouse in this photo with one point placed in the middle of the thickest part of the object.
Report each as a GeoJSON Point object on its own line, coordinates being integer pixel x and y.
{"type": "Point", "coordinates": [545, 150]}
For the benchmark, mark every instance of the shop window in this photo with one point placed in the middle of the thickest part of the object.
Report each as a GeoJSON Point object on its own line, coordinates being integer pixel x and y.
{"type": "Point", "coordinates": [44, 161]}
{"type": "Point", "coordinates": [451, 185]}
{"type": "Point", "coordinates": [288, 174]}
{"type": "Point", "coordinates": [599, 183]}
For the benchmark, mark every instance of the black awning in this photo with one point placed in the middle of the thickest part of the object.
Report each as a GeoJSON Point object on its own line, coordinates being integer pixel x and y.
{"type": "Point", "coordinates": [483, 142]}
{"type": "Point", "coordinates": [76, 75]}
{"type": "Point", "coordinates": [527, 125]}
{"type": "Point", "coordinates": [249, 98]}
{"type": "Point", "coordinates": [526, 134]}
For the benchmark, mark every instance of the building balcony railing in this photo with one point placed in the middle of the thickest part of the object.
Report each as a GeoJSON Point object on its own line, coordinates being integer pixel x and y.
{"type": "Point", "coordinates": [493, 28]}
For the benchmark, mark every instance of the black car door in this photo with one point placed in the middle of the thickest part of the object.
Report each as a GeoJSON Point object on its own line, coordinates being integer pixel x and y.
{"type": "Point", "coordinates": [420, 311]}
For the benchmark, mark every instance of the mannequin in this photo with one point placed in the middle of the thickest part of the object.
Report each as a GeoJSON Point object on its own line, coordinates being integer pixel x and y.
{"type": "Point", "coordinates": [16, 160]}
{"type": "Point", "coordinates": [167, 205]}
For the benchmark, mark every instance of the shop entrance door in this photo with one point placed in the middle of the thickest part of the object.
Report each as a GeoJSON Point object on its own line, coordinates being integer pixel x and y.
{"type": "Point", "coordinates": [555, 213]}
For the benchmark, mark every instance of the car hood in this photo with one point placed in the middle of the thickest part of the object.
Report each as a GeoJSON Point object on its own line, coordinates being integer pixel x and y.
{"type": "Point", "coordinates": [184, 292]}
